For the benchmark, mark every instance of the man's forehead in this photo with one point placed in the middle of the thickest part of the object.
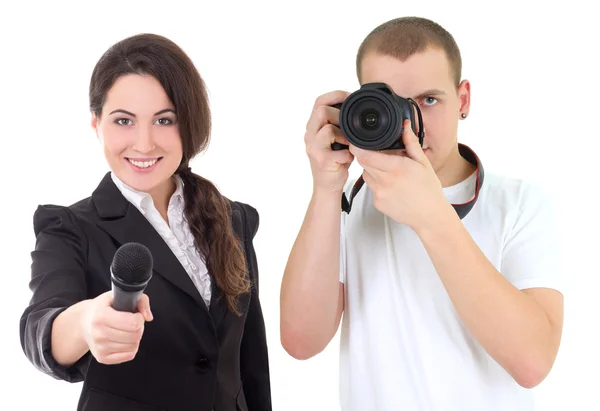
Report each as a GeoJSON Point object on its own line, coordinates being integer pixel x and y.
{"type": "Point", "coordinates": [421, 72]}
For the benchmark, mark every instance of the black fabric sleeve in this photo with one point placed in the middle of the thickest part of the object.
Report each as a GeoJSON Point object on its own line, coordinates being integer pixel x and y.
{"type": "Point", "coordinates": [57, 281]}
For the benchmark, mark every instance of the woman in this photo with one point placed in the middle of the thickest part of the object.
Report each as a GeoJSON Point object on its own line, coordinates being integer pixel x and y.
{"type": "Point", "coordinates": [198, 339]}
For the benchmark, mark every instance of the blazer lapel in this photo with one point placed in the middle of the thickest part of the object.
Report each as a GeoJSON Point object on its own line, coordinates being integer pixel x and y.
{"type": "Point", "coordinates": [218, 305]}
{"type": "Point", "coordinates": [125, 223]}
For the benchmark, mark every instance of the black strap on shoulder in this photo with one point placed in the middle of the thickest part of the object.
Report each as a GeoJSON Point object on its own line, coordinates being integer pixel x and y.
{"type": "Point", "coordinates": [461, 209]}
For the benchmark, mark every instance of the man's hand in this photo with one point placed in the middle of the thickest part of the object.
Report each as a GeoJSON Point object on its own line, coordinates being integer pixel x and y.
{"type": "Point", "coordinates": [329, 167]}
{"type": "Point", "coordinates": [405, 186]}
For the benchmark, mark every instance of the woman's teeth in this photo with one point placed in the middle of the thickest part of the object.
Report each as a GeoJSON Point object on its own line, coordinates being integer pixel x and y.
{"type": "Point", "coordinates": [143, 164]}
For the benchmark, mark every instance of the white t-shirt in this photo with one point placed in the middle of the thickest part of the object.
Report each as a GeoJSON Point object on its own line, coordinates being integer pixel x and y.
{"type": "Point", "coordinates": [403, 346]}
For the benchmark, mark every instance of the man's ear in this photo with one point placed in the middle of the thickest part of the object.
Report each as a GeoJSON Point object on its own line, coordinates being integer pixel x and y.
{"type": "Point", "coordinates": [464, 96]}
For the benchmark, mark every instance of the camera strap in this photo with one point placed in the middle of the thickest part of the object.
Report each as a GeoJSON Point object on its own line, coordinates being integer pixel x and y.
{"type": "Point", "coordinates": [461, 209]}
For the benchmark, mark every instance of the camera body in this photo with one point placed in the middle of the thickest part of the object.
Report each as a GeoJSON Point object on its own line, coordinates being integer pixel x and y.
{"type": "Point", "coordinates": [372, 118]}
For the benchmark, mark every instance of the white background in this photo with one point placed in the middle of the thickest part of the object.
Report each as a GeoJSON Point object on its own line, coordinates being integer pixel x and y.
{"type": "Point", "coordinates": [534, 115]}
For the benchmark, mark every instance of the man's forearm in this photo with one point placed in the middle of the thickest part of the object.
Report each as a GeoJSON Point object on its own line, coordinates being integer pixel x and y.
{"type": "Point", "coordinates": [510, 325]}
{"type": "Point", "coordinates": [310, 285]}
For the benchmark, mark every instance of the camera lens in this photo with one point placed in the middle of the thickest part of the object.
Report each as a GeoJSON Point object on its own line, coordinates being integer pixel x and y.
{"type": "Point", "coordinates": [369, 119]}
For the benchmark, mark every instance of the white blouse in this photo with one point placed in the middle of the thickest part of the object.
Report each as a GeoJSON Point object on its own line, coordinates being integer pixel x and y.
{"type": "Point", "coordinates": [178, 236]}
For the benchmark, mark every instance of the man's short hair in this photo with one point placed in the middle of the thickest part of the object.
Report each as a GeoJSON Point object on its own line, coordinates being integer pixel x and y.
{"type": "Point", "coordinates": [402, 37]}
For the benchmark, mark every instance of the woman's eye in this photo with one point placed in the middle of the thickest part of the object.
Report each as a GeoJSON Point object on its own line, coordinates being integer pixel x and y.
{"type": "Point", "coordinates": [123, 121]}
{"type": "Point", "coordinates": [164, 121]}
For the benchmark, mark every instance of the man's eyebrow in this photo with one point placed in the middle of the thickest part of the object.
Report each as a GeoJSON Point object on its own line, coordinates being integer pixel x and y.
{"type": "Point", "coordinates": [430, 93]}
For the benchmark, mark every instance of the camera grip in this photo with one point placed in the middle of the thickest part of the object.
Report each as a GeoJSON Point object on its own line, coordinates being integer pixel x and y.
{"type": "Point", "coordinates": [338, 146]}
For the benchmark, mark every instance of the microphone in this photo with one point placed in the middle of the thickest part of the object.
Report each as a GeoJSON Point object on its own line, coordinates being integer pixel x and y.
{"type": "Point", "coordinates": [130, 271]}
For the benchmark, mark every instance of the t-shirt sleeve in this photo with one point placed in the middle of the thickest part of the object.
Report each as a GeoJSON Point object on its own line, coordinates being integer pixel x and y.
{"type": "Point", "coordinates": [532, 255]}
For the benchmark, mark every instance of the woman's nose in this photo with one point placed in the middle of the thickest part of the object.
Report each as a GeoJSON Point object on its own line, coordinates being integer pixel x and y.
{"type": "Point", "coordinates": [144, 141]}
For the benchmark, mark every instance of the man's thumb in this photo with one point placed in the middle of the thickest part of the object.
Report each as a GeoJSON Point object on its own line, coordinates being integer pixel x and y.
{"type": "Point", "coordinates": [413, 148]}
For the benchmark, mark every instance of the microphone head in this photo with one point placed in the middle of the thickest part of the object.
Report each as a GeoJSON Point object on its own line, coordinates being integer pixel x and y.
{"type": "Point", "coordinates": [132, 264]}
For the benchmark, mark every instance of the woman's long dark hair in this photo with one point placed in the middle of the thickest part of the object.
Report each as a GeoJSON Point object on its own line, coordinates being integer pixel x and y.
{"type": "Point", "coordinates": [206, 210]}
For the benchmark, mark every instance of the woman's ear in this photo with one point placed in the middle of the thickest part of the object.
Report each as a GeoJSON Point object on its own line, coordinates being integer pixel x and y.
{"type": "Point", "coordinates": [94, 124]}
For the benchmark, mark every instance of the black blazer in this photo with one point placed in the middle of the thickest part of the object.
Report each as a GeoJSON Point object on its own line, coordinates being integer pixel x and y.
{"type": "Point", "coordinates": [191, 357]}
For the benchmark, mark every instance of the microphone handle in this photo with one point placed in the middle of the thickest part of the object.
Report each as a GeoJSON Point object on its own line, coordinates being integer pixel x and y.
{"type": "Point", "coordinates": [125, 300]}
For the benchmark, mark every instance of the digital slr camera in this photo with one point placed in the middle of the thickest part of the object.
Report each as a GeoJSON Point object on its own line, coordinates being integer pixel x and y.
{"type": "Point", "coordinates": [372, 118]}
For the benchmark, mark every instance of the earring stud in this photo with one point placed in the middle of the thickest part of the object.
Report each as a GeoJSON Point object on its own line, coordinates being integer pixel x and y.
{"type": "Point", "coordinates": [463, 115]}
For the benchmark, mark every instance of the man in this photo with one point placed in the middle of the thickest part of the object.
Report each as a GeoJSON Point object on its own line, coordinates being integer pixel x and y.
{"type": "Point", "coordinates": [440, 312]}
